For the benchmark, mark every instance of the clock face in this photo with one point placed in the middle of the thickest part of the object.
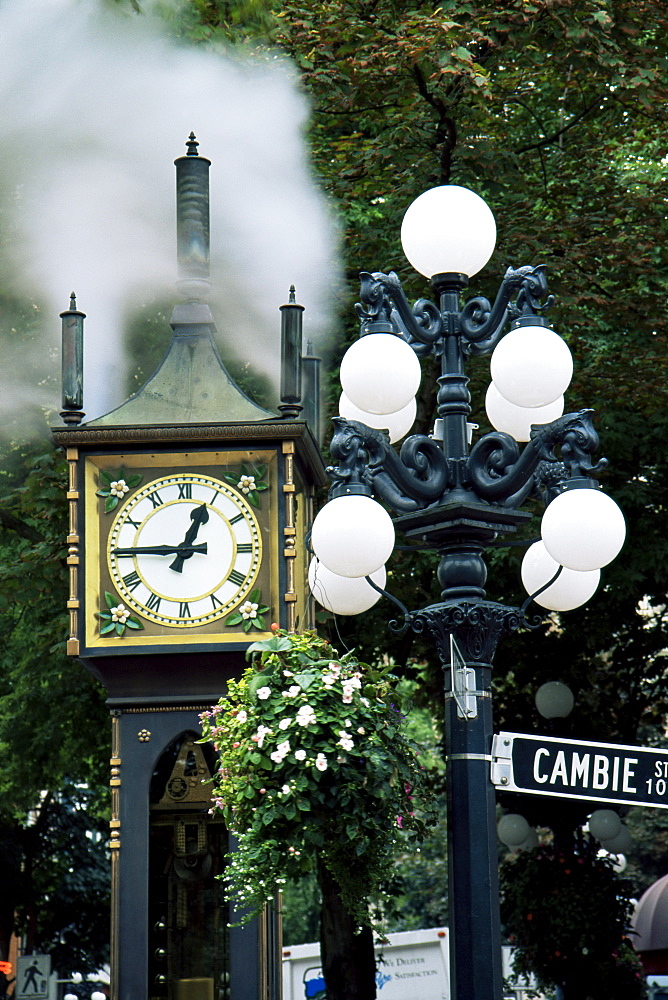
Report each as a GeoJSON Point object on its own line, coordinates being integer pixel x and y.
{"type": "Point", "coordinates": [184, 550]}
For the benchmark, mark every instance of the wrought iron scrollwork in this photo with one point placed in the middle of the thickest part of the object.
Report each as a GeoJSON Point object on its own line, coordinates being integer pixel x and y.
{"type": "Point", "coordinates": [482, 325]}
{"type": "Point", "coordinates": [498, 470]}
{"type": "Point", "coordinates": [407, 481]}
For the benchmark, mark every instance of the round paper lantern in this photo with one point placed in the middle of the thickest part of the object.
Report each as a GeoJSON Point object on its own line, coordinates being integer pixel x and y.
{"type": "Point", "coordinates": [512, 829]}
{"type": "Point", "coordinates": [554, 700]}
{"type": "Point", "coordinates": [604, 824]}
{"type": "Point", "coordinates": [398, 424]}
{"type": "Point", "coordinates": [344, 595]}
{"type": "Point", "coordinates": [530, 842]}
{"type": "Point", "coordinates": [583, 529]}
{"type": "Point", "coordinates": [380, 373]}
{"type": "Point", "coordinates": [531, 366]}
{"type": "Point", "coordinates": [570, 590]}
{"type": "Point", "coordinates": [353, 536]}
{"type": "Point", "coordinates": [518, 420]}
{"type": "Point", "coordinates": [448, 229]}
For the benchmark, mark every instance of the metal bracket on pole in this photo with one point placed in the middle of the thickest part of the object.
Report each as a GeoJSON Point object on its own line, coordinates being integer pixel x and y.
{"type": "Point", "coordinates": [463, 683]}
{"type": "Point", "coordinates": [502, 767]}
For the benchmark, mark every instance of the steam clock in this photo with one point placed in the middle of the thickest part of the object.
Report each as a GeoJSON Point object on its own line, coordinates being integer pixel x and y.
{"type": "Point", "coordinates": [189, 506]}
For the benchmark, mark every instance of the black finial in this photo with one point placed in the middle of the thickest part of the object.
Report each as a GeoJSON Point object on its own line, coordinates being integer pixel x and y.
{"type": "Point", "coordinates": [73, 302]}
{"type": "Point", "coordinates": [292, 298]}
{"type": "Point", "coordinates": [192, 145]}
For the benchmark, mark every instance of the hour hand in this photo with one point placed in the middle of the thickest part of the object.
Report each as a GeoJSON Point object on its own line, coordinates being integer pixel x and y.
{"type": "Point", "coordinates": [198, 516]}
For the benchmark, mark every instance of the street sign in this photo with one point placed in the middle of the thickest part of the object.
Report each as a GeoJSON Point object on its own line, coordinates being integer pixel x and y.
{"type": "Point", "coordinates": [607, 772]}
{"type": "Point", "coordinates": [32, 977]}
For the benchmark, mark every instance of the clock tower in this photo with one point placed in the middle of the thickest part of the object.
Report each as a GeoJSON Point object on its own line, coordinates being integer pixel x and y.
{"type": "Point", "coordinates": [189, 508]}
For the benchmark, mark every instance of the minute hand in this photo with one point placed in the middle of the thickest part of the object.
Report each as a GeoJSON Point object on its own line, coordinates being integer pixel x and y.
{"type": "Point", "coordinates": [160, 550]}
{"type": "Point", "coordinates": [198, 516]}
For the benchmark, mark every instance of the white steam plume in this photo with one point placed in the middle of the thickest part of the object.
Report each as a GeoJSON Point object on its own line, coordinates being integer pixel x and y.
{"type": "Point", "coordinates": [94, 108]}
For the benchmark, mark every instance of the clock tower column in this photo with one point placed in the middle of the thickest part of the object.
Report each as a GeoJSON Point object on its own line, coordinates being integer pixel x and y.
{"type": "Point", "coordinates": [189, 508]}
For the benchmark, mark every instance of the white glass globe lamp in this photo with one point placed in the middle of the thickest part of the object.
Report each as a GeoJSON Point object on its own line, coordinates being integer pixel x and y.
{"type": "Point", "coordinates": [448, 229]}
{"type": "Point", "coordinates": [531, 365]}
{"type": "Point", "coordinates": [512, 829]}
{"type": "Point", "coordinates": [604, 824]}
{"type": "Point", "coordinates": [398, 424]}
{"type": "Point", "coordinates": [530, 842]}
{"type": "Point", "coordinates": [570, 590]}
{"type": "Point", "coordinates": [583, 529]}
{"type": "Point", "coordinates": [344, 595]}
{"type": "Point", "coordinates": [352, 535]}
{"type": "Point", "coordinates": [621, 843]}
{"type": "Point", "coordinates": [518, 420]}
{"type": "Point", "coordinates": [380, 373]}
{"type": "Point", "coordinates": [554, 700]}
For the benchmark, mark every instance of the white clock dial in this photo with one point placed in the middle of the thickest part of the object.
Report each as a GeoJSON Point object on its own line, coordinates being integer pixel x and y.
{"type": "Point", "coordinates": [184, 550]}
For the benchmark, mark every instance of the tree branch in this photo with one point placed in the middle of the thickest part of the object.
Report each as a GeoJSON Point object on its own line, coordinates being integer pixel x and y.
{"type": "Point", "coordinates": [13, 523]}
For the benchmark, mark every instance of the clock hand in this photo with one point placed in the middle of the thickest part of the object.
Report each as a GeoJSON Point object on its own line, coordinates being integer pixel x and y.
{"type": "Point", "coordinates": [160, 550]}
{"type": "Point", "coordinates": [198, 516]}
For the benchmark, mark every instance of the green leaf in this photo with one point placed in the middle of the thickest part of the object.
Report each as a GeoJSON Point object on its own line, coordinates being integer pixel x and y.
{"type": "Point", "coordinates": [133, 623]}
{"type": "Point", "coordinates": [110, 504]}
{"type": "Point", "coordinates": [261, 485]}
{"type": "Point", "coordinates": [107, 476]}
{"type": "Point", "coordinates": [109, 627]}
{"type": "Point", "coordinates": [246, 625]}
{"type": "Point", "coordinates": [133, 480]}
{"type": "Point", "coordinates": [234, 618]}
{"type": "Point", "coordinates": [305, 680]}
{"type": "Point", "coordinates": [111, 599]}
{"type": "Point", "coordinates": [258, 622]}
{"type": "Point", "coordinates": [255, 596]}
{"type": "Point", "coordinates": [120, 628]}
{"type": "Point", "coordinates": [253, 498]}
{"type": "Point", "coordinates": [276, 644]}
{"type": "Point", "coordinates": [103, 493]}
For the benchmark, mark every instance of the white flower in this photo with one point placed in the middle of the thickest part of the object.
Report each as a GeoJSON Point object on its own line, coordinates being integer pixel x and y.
{"type": "Point", "coordinates": [262, 731]}
{"type": "Point", "coordinates": [361, 730]}
{"type": "Point", "coordinates": [284, 748]}
{"type": "Point", "coordinates": [284, 723]}
{"type": "Point", "coordinates": [285, 789]}
{"type": "Point", "coordinates": [365, 702]}
{"type": "Point", "coordinates": [346, 743]}
{"type": "Point", "coordinates": [118, 488]}
{"type": "Point", "coordinates": [347, 696]}
{"type": "Point", "coordinates": [242, 715]}
{"type": "Point", "coordinates": [353, 682]}
{"type": "Point", "coordinates": [277, 756]}
{"type": "Point", "coordinates": [120, 614]}
{"type": "Point", "coordinates": [246, 484]}
{"type": "Point", "coordinates": [329, 680]}
{"type": "Point", "coordinates": [294, 690]}
{"type": "Point", "coordinates": [263, 693]}
{"type": "Point", "coordinates": [300, 754]}
{"type": "Point", "coordinates": [305, 715]}
{"type": "Point", "coordinates": [321, 762]}
{"type": "Point", "coordinates": [249, 610]}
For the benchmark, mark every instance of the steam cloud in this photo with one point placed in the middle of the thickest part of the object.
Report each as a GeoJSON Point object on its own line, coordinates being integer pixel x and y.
{"type": "Point", "coordinates": [94, 107]}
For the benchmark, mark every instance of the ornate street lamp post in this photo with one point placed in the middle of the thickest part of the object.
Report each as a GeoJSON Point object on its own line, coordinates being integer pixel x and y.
{"type": "Point", "coordinates": [456, 500]}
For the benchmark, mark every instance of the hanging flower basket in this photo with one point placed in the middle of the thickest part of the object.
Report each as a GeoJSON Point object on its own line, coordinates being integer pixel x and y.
{"type": "Point", "coordinates": [314, 764]}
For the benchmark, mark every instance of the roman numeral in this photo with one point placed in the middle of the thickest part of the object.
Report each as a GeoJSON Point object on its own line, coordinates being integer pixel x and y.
{"type": "Point", "coordinates": [155, 499]}
{"type": "Point", "coordinates": [237, 517]}
{"type": "Point", "coordinates": [236, 577]}
{"type": "Point", "coordinates": [153, 602]}
{"type": "Point", "coordinates": [215, 602]}
{"type": "Point", "coordinates": [131, 581]}
{"type": "Point", "coordinates": [185, 491]}
{"type": "Point", "coordinates": [135, 524]}
{"type": "Point", "coordinates": [184, 610]}
{"type": "Point", "coordinates": [245, 547]}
